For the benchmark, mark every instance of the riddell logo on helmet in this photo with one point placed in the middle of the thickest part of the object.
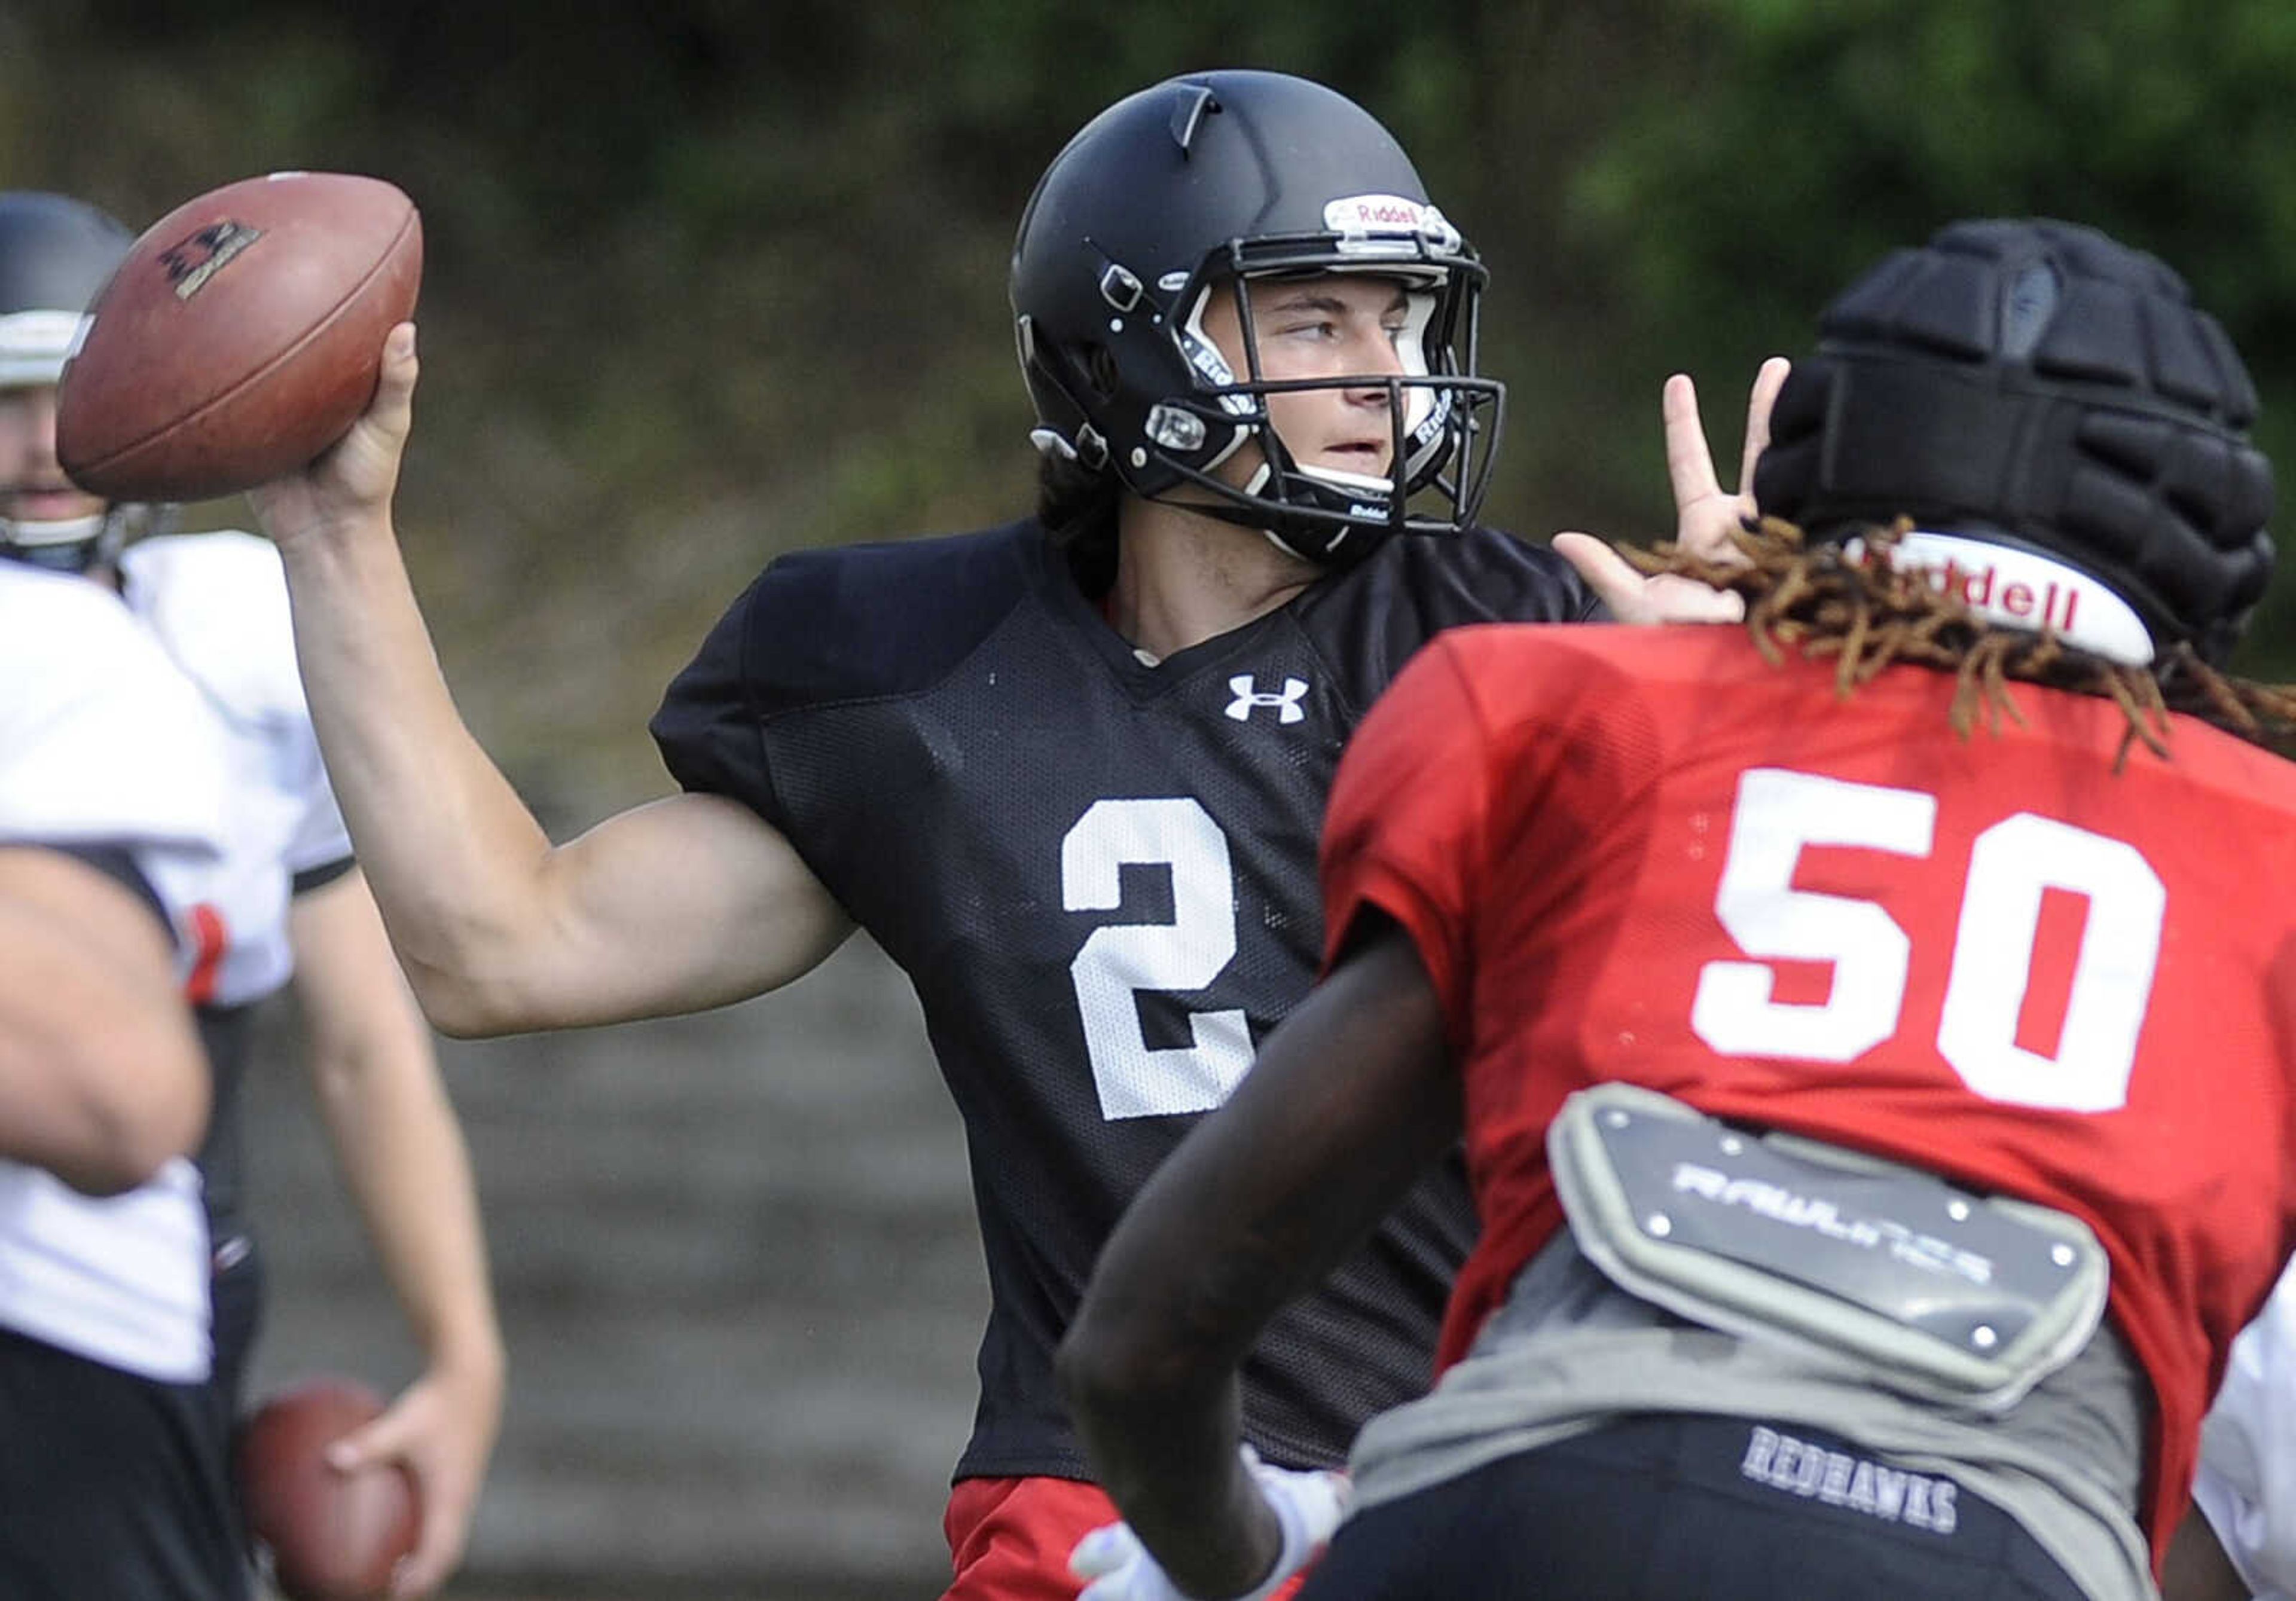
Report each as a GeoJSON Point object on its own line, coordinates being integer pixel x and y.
{"type": "Point", "coordinates": [1984, 589]}
{"type": "Point", "coordinates": [2024, 590]}
{"type": "Point", "coordinates": [1375, 214]}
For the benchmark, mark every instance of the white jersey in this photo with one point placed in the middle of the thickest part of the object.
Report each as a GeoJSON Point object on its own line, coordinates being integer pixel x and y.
{"type": "Point", "coordinates": [2247, 1479]}
{"type": "Point", "coordinates": [217, 605]}
{"type": "Point", "coordinates": [103, 742]}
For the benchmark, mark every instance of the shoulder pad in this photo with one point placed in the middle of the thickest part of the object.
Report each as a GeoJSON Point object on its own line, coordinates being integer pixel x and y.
{"type": "Point", "coordinates": [219, 604]}
{"type": "Point", "coordinates": [1369, 619]}
{"type": "Point", "coordinates": [863, 620]}
{"type": "Point", "coordinates": [1486, 575]}
{"type": "Point", "coordinates": [101, 738]}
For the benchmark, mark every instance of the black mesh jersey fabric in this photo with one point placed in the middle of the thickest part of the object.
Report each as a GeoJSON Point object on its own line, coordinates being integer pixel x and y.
{"type": "Point", "coordinates": [1100, 877]}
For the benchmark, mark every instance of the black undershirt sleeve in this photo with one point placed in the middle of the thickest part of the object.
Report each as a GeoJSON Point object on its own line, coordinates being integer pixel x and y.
{"type": "Point", "coordinates": [326, 873]}
{"type": "Point", "coordinates": [118, 863]}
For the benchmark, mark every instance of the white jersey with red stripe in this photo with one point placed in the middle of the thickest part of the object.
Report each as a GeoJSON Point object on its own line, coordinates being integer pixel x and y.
{"type": "Point", "coordinates": [216, 603]}
{"type": "Point", "coordinates": [105, 745]}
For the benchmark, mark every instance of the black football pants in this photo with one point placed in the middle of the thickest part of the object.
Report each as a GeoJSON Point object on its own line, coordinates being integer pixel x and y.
{"type": "Point", "coordinates": [113, 1488]}
{"type": "Point", "coordinates": [1666, 1507]}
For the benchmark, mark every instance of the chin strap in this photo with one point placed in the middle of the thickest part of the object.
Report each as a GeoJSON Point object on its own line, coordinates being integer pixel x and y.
{"type": "Point", "coordinates": [72, 545]}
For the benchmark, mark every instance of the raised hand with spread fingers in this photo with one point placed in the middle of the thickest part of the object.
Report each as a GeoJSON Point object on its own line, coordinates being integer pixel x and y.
{"type": "Point", "coordinates": [1706, 514]}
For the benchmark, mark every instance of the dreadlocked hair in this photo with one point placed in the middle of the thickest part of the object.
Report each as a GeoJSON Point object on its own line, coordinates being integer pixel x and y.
{"type": "Point", "coordinates": [1864, 614]}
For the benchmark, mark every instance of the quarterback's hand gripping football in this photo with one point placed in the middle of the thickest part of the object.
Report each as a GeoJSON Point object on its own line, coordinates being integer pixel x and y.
{"type": "Point", "coordinates": [1308, 1505]}
{"type": "Point", "coordinates": [353, 483]}
{"type": "Point", "coordinates": [1706, 514]}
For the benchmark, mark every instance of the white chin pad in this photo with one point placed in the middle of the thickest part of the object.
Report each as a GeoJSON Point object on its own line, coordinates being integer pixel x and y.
{"type": "Point", "coordinates": [32, 536]}
{"type": "Point", "coordinates": [1352, 483]}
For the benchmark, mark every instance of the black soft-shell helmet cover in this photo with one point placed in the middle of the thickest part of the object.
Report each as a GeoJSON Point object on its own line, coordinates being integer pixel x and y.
{"type": "Point", "coordinates": [2043, 386]}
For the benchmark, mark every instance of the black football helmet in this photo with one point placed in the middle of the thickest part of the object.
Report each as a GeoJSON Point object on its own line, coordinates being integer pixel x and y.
{"type": "Point", "coordinates": [55, 253]}
{"type": "Point", "coordinates": [2038, 385]}
{"type": "Point", "coordinates": [1195, 185]}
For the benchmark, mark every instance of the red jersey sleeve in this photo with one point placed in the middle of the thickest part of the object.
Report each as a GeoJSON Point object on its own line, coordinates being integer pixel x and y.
{"type": "Point", "coordinates": [1404, 830]}
{"type": "Point", "coordinates": [1484, 789]}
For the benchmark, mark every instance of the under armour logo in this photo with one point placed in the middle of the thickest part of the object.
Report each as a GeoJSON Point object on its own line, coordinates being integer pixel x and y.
{"type": "Point", "coordinates": [1247, 696]}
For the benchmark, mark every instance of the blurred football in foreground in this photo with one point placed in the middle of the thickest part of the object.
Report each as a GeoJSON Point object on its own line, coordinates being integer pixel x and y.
{"type": "Point", "coordinates": [332, 1535]}
{"type": "Point", "coordinates": [239, 338]}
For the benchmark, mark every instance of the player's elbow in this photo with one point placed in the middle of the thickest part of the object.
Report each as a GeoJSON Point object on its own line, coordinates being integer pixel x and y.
{"type": "Point", "coordinates": [1111, 1367]}
{"type": "Point", "coordinates": [449, 1009]}
{"type": "Point", "coordinates": [458, 1016]}
{"type": "Point", "coordinates": [462, 1007]}
{"type": "Point", "coordinates": [1089, 1376]}
{"type": "Point", "coordinates": [480, 976]}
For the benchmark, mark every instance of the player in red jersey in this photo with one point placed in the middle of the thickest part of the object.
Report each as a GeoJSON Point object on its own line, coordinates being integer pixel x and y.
{"type": "Point", "coordinates": [1879, 1128]}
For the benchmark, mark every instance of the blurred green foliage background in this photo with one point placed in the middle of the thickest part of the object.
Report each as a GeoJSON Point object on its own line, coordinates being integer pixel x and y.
{"type": "Point", "coordinates": [708, 279]}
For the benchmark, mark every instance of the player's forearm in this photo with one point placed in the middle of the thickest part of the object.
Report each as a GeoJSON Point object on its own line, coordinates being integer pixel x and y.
{"type": "Point", "coordinates": [1348, 1102]}
{"type": "Point", "coordinates": [101, 1079]}
{"type": "Point", "coordinates": [99, 1088]}
{"type": "Point", "coordinates": [1148, 1371]}
{"type": "Point", "coordinates": [1168, 1458]}
{"type": "Point", "coordinates": [402, 1158]}
{"type": "Point", "coordinates": [453, 855]}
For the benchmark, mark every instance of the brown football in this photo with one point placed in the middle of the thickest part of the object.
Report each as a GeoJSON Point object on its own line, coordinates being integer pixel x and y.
{"type": "Point", "coordinates": [332, 1536]}
{"type": "Point", "coordinates": [239, 338]}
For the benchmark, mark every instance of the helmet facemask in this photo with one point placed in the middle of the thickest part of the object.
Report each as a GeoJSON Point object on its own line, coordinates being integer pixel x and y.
{"type": "Point", "coordinates": [1443, 423]}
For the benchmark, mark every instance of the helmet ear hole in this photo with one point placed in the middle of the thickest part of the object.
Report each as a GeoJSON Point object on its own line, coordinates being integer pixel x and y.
{"type": "Point", "coordinates": [1099, 365]}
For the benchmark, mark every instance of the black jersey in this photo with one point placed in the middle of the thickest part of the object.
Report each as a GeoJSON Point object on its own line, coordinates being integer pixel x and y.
{"type": "Point", "coordinates": [1100, 876]}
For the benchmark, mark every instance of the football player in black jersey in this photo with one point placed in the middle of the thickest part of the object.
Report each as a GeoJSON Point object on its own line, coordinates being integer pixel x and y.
{"type": "Point", "coordinates": [1067, 772]}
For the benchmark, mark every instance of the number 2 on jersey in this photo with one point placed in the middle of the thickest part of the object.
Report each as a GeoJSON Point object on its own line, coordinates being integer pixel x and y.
{"type": "Point", "coordinates": [1120, 959]}
{"type": "Point", "coordinates": [1780, 813]}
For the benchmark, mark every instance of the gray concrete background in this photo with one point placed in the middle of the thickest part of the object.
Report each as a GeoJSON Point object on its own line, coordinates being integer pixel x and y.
{"type": "Point", "coordinates": [740, 1282]}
